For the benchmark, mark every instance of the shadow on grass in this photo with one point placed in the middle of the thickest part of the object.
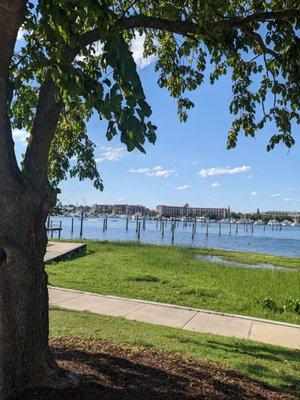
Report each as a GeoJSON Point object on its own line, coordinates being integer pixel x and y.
{"type": "Point", "coordinates": [252, 352]}
{"type": "Point", "coordinates": [113, 373]}
{"type": "Point", "coordinates": [290, 384]}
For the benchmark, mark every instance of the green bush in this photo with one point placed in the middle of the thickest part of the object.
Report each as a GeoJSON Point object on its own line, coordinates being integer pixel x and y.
{"type": "Point", "coordinates": [291, 305]}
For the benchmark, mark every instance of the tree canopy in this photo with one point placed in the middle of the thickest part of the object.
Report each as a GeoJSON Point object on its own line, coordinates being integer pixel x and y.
{"type": "Point", "coordinates": [77, 62]}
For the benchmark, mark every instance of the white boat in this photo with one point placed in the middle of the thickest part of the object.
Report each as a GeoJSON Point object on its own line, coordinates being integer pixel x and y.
{"type": "Point", "coordinates": [273, 222]}
{"type": "Point", "coordinates": [295, 224]}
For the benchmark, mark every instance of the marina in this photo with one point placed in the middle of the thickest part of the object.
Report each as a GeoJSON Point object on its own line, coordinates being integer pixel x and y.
{"type": "Point", "coordinates": [282, 240]}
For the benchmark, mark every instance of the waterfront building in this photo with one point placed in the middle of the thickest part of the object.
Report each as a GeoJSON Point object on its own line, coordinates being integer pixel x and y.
{"type": "Point", "coordinates": [128, 209]}
{"type": "Point", "coordinates": [187, 211]}
{"type": "Point", "coordinates": [119, 209]}
{"type": "Point", "coordinates": [102, 208]}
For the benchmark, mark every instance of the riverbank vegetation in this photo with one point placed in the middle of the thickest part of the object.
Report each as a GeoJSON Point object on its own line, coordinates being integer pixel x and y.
{"type": "Point", "coordinates": [172, 274]}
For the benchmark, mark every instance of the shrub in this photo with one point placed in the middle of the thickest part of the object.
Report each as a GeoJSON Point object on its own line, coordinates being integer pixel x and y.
{"type": "Point", "coordinates": [289, 305]}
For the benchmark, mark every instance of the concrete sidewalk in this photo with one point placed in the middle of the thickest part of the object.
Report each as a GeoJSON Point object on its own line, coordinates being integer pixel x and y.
{"type": "Point", "coordinates": [265, 331]}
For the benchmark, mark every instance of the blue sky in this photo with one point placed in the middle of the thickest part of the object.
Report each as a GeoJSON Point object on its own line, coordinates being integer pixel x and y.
{"type": "Point", "coordinates": [189, 162]}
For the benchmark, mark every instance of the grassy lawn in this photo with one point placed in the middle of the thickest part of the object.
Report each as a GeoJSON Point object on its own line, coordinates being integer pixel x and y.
{"type": "Point", "coordinates": [274, 366]}
{"type": "Point", "coordinates": [172, 274]}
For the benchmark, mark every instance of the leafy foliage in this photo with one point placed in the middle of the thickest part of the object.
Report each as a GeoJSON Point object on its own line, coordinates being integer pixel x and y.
{"type": "Point", "coordinates": [84, 48]}
{"type": "Point", "coordinates": [289, 304]}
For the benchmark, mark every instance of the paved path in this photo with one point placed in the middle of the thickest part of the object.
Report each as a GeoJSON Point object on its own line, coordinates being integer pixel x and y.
{"type": "Point", "coordinates": [265, 331]}
{"type": "Point", "coordinates": [57, 251]}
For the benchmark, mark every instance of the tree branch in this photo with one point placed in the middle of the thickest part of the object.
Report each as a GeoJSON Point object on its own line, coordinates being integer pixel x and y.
{"type": "Point", "coordinates": [48, 110]}
{"type": "Point", "coordinates": [11, 18]}
{"type": "Point", "coordinates": [259, 40]}
{"type": "Point", "coordinates": [43, 130]}
{"type": "Point", "coordinates": [187, 27]}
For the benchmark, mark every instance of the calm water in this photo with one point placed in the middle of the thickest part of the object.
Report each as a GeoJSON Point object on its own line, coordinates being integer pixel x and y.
{"type": "Point", "coordinates": [223, 261]}
{"type": "Point", "coordinates": [285, 242]}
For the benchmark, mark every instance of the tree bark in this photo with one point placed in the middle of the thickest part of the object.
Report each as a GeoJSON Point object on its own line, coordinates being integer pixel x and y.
{"type": "Point", "coordinates": [25, 358]}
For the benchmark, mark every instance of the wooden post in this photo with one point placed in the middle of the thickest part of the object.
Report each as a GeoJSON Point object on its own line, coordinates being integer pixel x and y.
{"type": "Point", "coordinates": [72, 226]}
{"type": "Point", "coordinates": [219, 228]}
{"type": "Point", "coordinates": [229, 228]}
{"type": "Point", "coordinates": [206, 228]}
{"type": "Point", "coordinates": [162, 229]}
{"type": "Point", "coordinates": [51, 230]}
{"type": "Point", "coordinates": [236, 228]}
{"type": "Point", "coordinates": [156, 223]}
{"type": "Point", "coordinates": [173, 229]}
{"type": "Point", "coordinates": [139, 230]}
{"type": "Point", "coordinates": [252, 228]}
{"type": "Point", "coordinates": [48, 222]}
{"type": "Point", "coordinates": [144, 223]}
{"type": "Point", "coordinates": [60, 228]}
{"type": "Point", "coordinates": [137, 224]}
{"type": "Point", "coordinates": [81, 223]}
{"type": "Point", "coordinates": [193, 231]}
{"type": "Point", "coordinates": [103, 224]}
{"type": "Point", "coordinates": [127, 224]}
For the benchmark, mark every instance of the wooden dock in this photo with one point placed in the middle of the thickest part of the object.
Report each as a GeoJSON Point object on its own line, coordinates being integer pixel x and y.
{"type": "Point", "coordinates": [58, 251]}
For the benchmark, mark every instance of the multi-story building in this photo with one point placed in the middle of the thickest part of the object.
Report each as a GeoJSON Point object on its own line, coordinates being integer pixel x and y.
{"type": "Point", "coordinates": [128, 209]}
{"type": "Point", "coordinates": [187, 211]}
{"type": "Point", "coordinates": [102, 208]}
{"type": "Point", "coordinates": [118, 209]}
{"type": "Point", "coordinates": [135, 209]}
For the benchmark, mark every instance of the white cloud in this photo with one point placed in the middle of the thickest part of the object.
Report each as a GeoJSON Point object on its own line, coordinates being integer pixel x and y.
{"type": "Point", "coordinates": [137, 48]}
{"type": "Point", "coordinates": [97, 51]}
{"type": "Point", "coordinates": [253, 193]}
{"type": "Point", "coordinates": [20, 35]}
{"type": "Point", "coordinates": [204, 173]}
{"type": "Point", "coordinates": [276, 195]}
{"type": "Point", "coordinates": [183, 187]}
{"type": "Point", "coordinates": [288, 199]}
{"type": "Point", "coordinates": [215, 185]}
{"type": "Point", "coordinates": [139, 170]}
{"type": "Point", "coordinates": [110, 154]}
{"type": "Point", "coordinates": [20, 135]}
{"type": "Point", "coordinates": [157, 171]}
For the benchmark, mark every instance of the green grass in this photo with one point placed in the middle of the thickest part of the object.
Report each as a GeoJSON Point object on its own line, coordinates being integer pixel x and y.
{"type": "Point", "coordinates": [173, 275]}
{"type": "Point", "coordinates": [274, 366]}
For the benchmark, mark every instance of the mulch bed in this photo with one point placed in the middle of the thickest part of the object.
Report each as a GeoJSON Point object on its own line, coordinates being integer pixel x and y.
{"type": "Point", "coordinates": [111, 372]}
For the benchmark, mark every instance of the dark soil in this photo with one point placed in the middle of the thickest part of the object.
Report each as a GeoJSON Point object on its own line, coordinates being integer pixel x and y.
{"type": "Point", "coordinates": [110, 372]}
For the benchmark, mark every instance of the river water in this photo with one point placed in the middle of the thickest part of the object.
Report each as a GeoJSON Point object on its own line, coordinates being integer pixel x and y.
{"type": "Point", "coordinates": [285, 242]}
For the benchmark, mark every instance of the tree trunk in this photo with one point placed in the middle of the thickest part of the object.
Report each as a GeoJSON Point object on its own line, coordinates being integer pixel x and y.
{"type": "Point", "coordinates": [25, 359]}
